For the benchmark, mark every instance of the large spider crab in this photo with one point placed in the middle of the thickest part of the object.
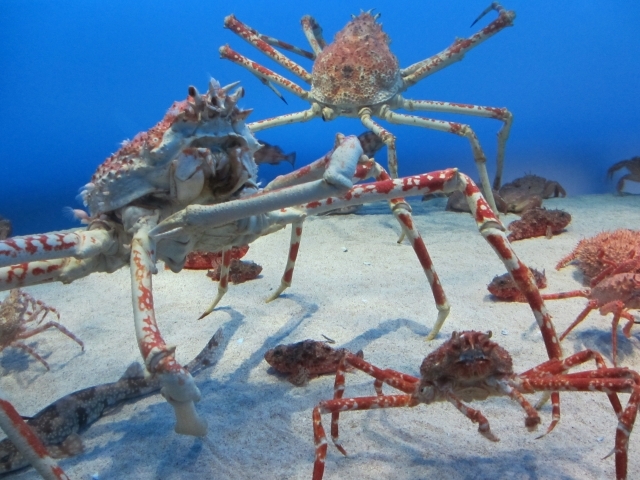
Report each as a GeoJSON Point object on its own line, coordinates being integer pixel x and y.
{"type": "Point", "coordinates": [470, 366]}
{"type": "Point", "coordinates": [189, 184]}
{"type": "Point", "coordinates": [358, 76]}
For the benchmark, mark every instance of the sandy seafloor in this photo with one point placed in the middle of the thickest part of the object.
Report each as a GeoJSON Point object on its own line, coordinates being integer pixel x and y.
{"type": "Point", "coordinates": [355, 284]}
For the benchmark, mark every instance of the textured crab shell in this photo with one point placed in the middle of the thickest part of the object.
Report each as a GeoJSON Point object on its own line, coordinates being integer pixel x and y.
{"type": "Point", "coordinates": [357, 69]}
{"type": "Point", "coordinates": [142, 166]}
{"type": "Point", "coordinates": [624, 287]}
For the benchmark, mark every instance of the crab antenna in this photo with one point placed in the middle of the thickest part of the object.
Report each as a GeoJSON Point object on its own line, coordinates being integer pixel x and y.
{"type": "Point", "coordinates": [493, 6]}
{"type": "Point", "coordinates": [272, 87]}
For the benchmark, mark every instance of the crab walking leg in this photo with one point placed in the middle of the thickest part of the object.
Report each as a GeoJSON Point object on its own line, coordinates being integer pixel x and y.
{"type": "Point", "coordinates": [178, 386]}
{"type": "Point", "coordinates": [313, 32]}
{"type": "Point", "coordinates": [227, 53]}
{"type": "Point", "coordinates": [501, 114]}
{"type": "Point", "coordinates": [288, 119]}
{"type": "Point", "coordinates": [28, 443]}
{"type": "Point", "coordinates": [250, 35]}
{"type": "Point", "coordinates": [294, 246]}
{"type": "Point", "coordinates": [223, 284]}
{"type": "Point", "coordinates": [456, 51]}
{"type": "Point", "coordinates": [361, 403]}
{"type": "Point", "coordinates": [386, 136]}
{"type": "Point", "coordinates": [80, 244]}
{"type": "Point", "coordinates": [449, 127]}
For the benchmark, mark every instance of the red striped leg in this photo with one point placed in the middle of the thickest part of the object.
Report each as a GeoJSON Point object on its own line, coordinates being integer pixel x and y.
{"type": "Point", "coordinates": [360, 403]}
{"type": "Point", "coordinates": [501, 114]}
{"type": "Point", "coordinates": [591, 305]}
{"type": "Point", "coordinates": [48, 325]}
{"type": "Point", "coordinates": [294, 246]}
{"type": "Point", "coordinates": [226, 52]}
{"type": "Point", "coordinates": [253, 37]}
{"type": "Point", "coordinates": [557, 366]}
{"type": "Point", "coordinates": [79, 244]}
{"type": "Point", "coordinates": [617, 308]}
{"type": "Point", "coordinates": [532, 419]}
{"type": "Point", "coordinates": [570, 294]}
{"type": "Point", "coordinates": [28, 443]}
{"type": "Point", "coordinates": [474, 415]}
{"type": "Point", "coordinates": [459, 129]}
{"type": "Point", "coordinates": [396, 379]}
{"type": "Point", "coordinates": [313, 32]}
{"type": "Point", "coordinates": [223, 284]}
{"type": "Point", "coordinates": [178, 386]}
{"type": "Point", "coordinates": [623, 431]}
{"type": "Point", "coordinates": [454, 53]}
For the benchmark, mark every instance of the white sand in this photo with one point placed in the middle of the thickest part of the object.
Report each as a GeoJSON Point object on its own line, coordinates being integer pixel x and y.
{"type": "Point", "coordinates": [373, 297]}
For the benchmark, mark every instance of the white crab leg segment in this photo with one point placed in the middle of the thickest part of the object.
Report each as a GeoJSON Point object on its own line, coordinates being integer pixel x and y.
{"type": "Point", "coordinates": [501, 114]}
{"type": "Point", "coordinates": [249, 34]}
{"type": "Point", "coordinates": [454, 53]}
{"type": "Point", "coordinates": [82, 244]}
{"type": "Point", "coordinates": [178, 386]}
{"type": "Point", "coordinates": [337, 179]}
{"type": "Point", "coordinates": [287, 119]}
{"type": "Point", "coordinates": [313, 32]}
{"type": "Point", "coordinates": [28, 443]}
{"type": "Point", "coordinates": [226, 52]}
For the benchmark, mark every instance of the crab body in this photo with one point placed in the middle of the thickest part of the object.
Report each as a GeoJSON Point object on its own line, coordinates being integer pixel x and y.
{"type": "Point", "coordinates": [632, 165]}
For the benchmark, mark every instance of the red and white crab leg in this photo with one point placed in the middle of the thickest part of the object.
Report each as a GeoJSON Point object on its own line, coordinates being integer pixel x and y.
{"type": "Point", "coordinates": [489, 225]}
{"type": "Point", "coordinates": [226, 52]}
{"type": "Point", "coordinates": [78, 244]}
{"type": "Point", "coordinates": [253, 37]}
{"type": "Point", "coordinates": [459, 129]}
{"type": "Point", "coordinates": [178, 387]}
{"type": "Point", "coordinates": [313, 32]}
{"type": "Point", "coordinates": [456, 51]}
{"type": "Point", "coordinates": [223, 284]}
{"type": "Point", "coordinates": [28, 443]}
{"type": "Point", "coordinates": [501, 114]}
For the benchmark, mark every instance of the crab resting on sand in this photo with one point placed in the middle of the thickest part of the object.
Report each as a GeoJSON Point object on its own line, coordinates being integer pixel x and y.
{"type": "Point", "coordinates": [633, 165]}
{"type": "Point", "coordinates": [358, 76]}
{"type": "Point", "coordinates": [471, 367]}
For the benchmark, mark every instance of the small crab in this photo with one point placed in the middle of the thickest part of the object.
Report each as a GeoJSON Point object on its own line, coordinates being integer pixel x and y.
{"type": "Point", "coordinates": [528, 192]}
{"type": "Point", "coordinates": [539, 222]}
{"type": "Point", "coordinates": [504, 288]}
{"type": "Point", "coordinates": [633, 165]}
{"type": "Point", "coordinates": [358, 76]}
{"type": "Point", "coordinates": [470, 367]}
{"type": "Point", "coordinates": [595, 255]}
{"type": "Point", "coordinates": [615, 294]}
{"type": "Point", "coordinates": [19, 310]}
{"type": "Point", "coordinates": [305, 360]}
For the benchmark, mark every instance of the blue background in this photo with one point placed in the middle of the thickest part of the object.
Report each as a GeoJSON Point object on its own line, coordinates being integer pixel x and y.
{"type": "Point", "coordinates": [77, 78]}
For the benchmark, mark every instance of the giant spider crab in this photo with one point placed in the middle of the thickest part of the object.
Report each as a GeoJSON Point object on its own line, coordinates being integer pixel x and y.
{"type": "Point", "coordinates": [358, 76]}
{"type": "Point", "coordinates": [189, 184]}
{"type": "Point", "coordinates": [470, 366]}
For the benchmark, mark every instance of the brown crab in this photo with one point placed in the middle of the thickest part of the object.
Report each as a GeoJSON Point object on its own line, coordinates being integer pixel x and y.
{"type": "Point", "coordinates": [528, 192]}
{"type": "Point", "coordinates": [17, 312]}
{"type": "Point", "coordinates": [633, 165]}
{"type": "Point", "coordinates": [358, 76]}
{"type": "Point", "coordinates": [539, 222]}
{"type": "Point", "coordinates": [470, 367]}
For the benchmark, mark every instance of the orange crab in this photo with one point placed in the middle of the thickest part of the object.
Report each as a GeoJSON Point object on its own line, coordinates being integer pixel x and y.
{"type": "Point", "coordinates": [358, 76]}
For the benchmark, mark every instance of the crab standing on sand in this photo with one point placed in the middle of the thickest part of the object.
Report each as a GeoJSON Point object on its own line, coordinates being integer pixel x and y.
{"type": "Point", "coordinates": [17, 312]}
{"type": "Point", "coordinates": [189, 184]}
{"type": "Point", "coordinates": [633, 165]}
{"type": "Point", "coordinates": [470, 367]}
{"type": "Point", "coordinates": [358, 76]}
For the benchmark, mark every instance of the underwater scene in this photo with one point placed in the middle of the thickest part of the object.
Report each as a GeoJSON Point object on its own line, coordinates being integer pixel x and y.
{"type": "Point", "coordinates": [328, 240]}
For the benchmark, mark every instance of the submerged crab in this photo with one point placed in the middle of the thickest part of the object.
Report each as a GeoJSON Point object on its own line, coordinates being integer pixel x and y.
{"type": "Point", "coordinates": [471, 367]}
{"type": "Point", "coordinates": [188, 184]}
{"type": "Point", "coordinates": [358, 76]}
{"type": "Point", "coordinates": [17, 313]}
{"type": "Point", "coordinates": [528, 192]}
{"type": "Point", "coordinates": [633, 165]}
